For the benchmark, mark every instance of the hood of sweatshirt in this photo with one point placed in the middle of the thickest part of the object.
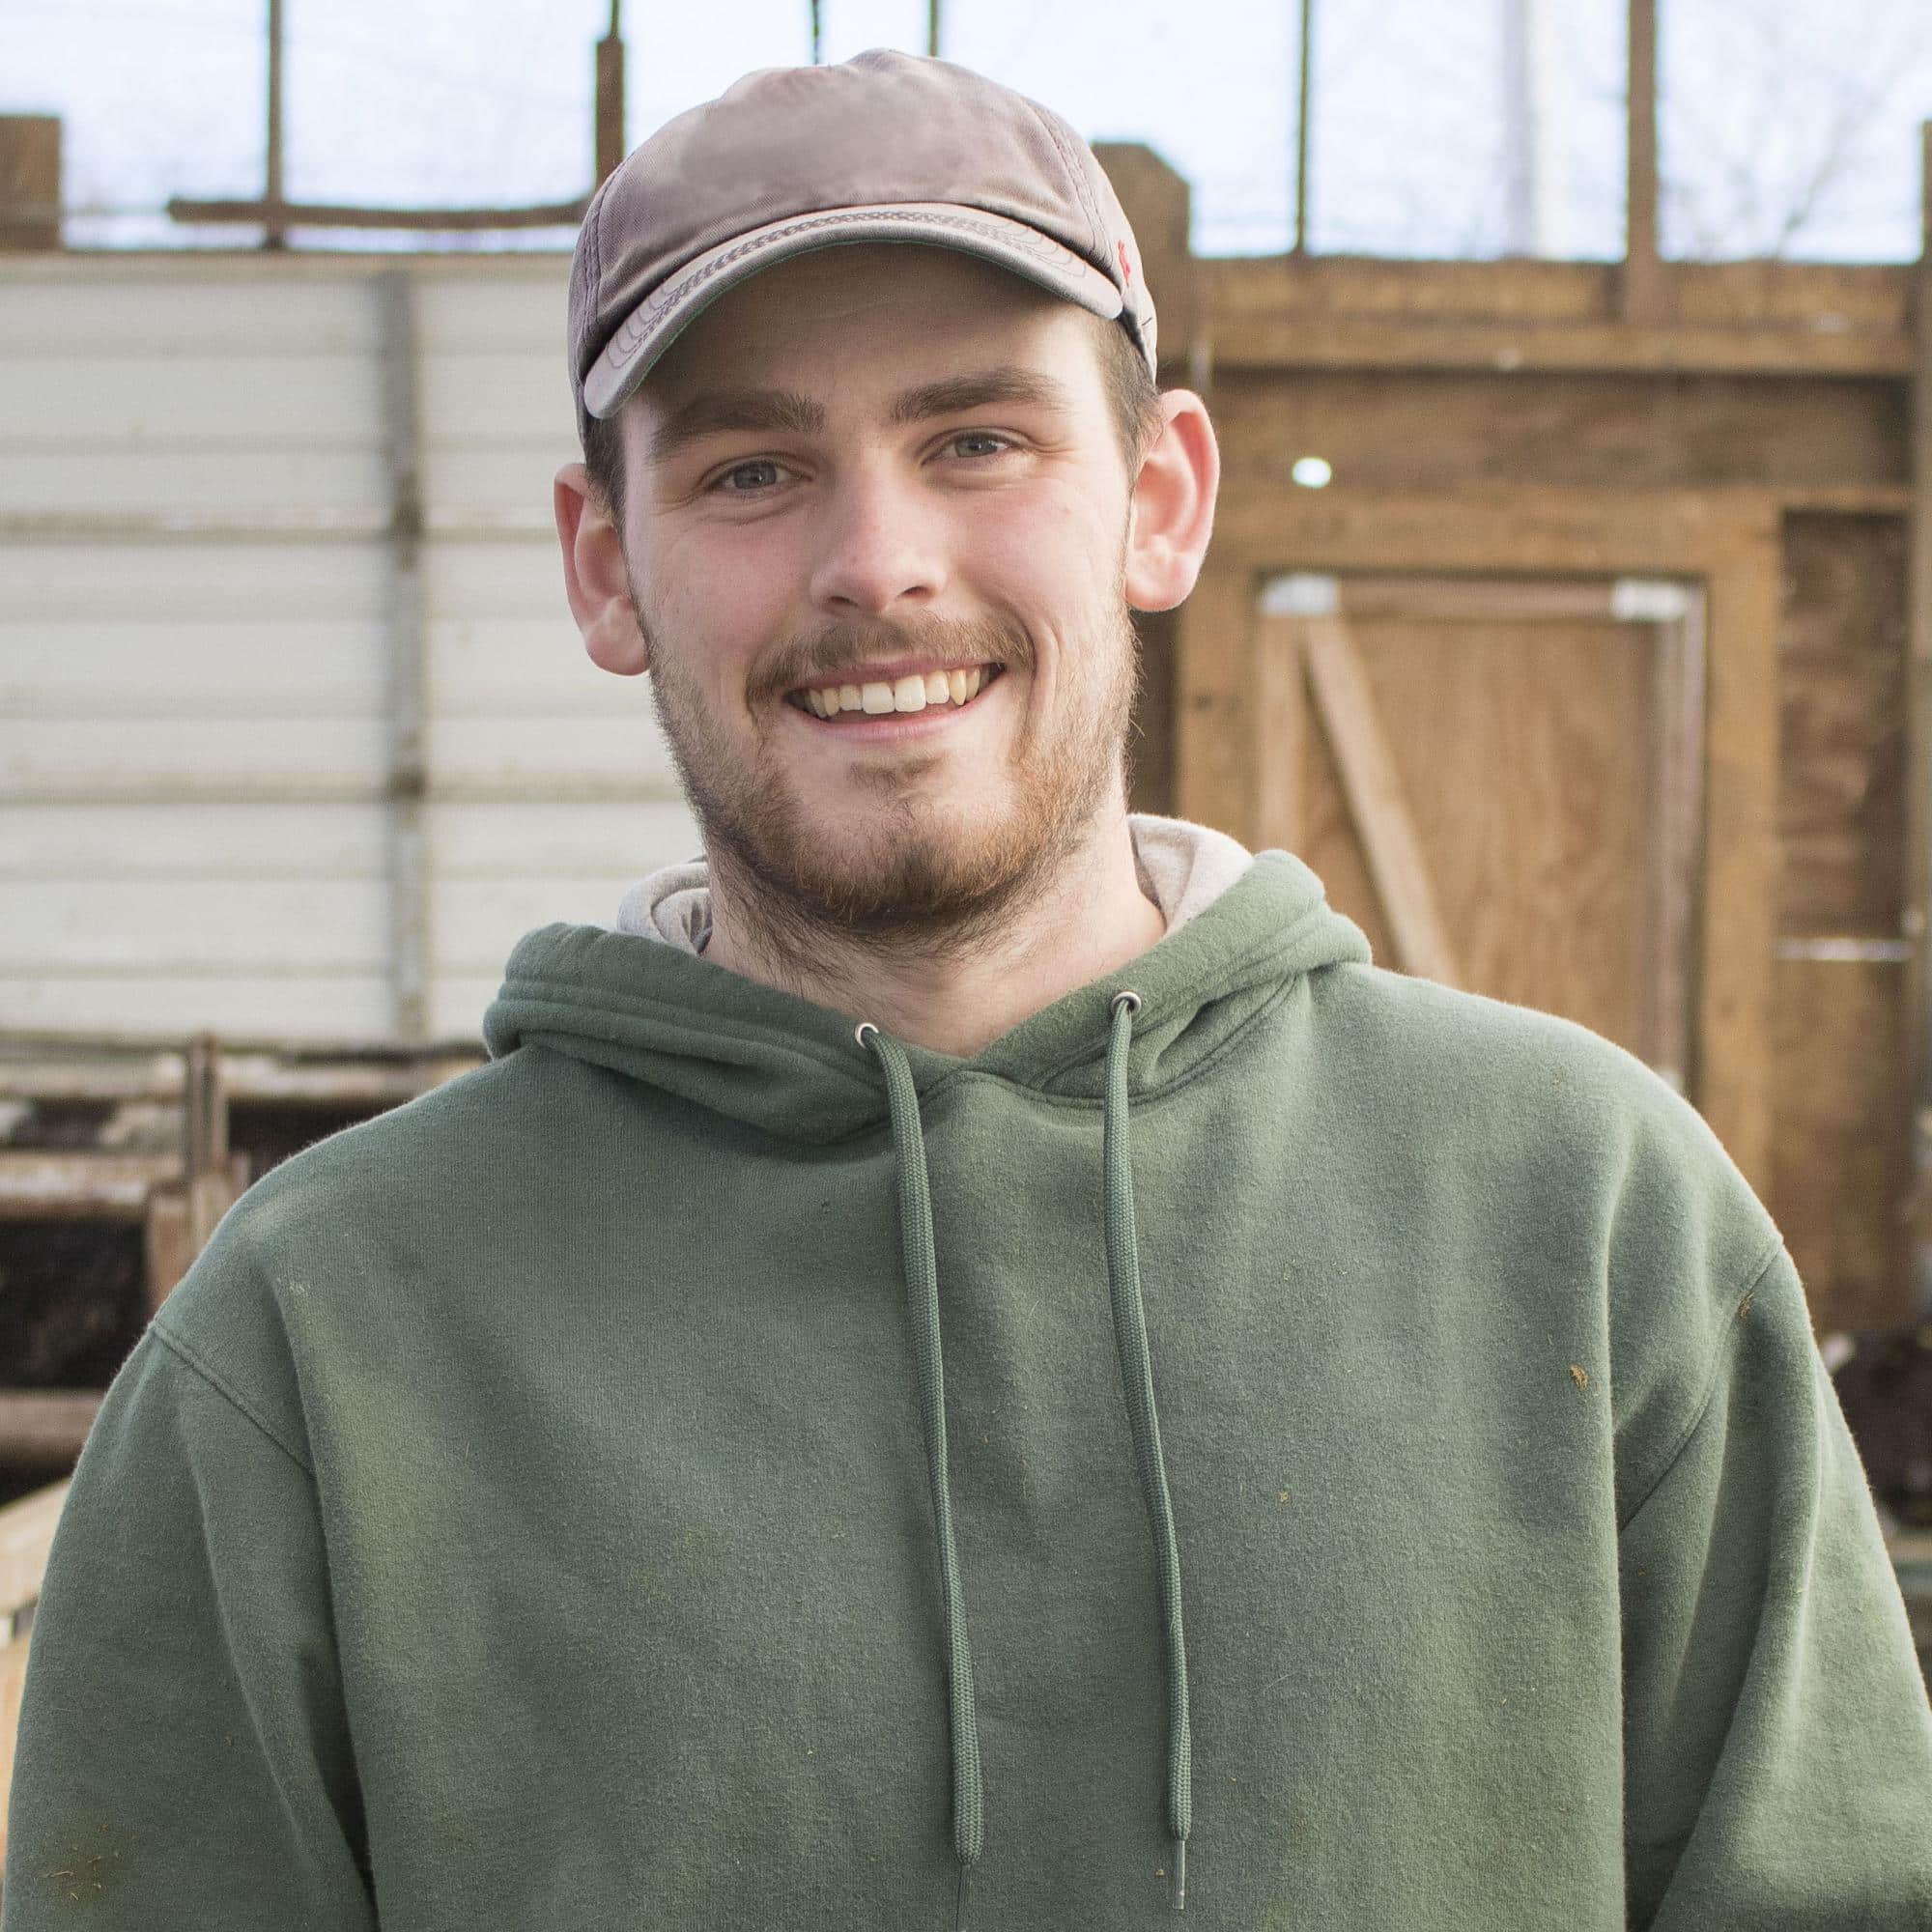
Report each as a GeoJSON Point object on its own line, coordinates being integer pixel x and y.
{"type": "Point", "coordinates": [655, 1009]}
{"type": "Point", "coordinates": [652, 1007]}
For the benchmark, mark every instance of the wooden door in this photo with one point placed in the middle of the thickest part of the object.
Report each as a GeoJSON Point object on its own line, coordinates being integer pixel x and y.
{"type": "Point", "coordinates": [1498, 780]}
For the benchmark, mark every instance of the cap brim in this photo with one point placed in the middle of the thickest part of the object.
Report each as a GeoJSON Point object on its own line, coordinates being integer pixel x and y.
{"type": "Point", "coordinates": [649, 329]}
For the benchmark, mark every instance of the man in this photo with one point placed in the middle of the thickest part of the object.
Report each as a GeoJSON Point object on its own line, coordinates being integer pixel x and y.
{"type": "Point", "coordinates": [973, 1362]}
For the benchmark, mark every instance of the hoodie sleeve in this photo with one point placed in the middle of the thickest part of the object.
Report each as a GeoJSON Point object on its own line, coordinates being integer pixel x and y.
{"type": "Point", "coordinates": [1777, 1742]}
{"type": "Point", "coordinates": [183, 1758]}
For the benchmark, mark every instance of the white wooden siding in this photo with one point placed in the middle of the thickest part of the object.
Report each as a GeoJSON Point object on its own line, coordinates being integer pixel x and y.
{"type": "Point", "coordinates": [198, 597]}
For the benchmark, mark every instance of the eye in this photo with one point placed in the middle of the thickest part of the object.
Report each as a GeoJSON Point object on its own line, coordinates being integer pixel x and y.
{"type": "Point", "coordinates": [762, 463]}
{"type": "Point", "coordinates": [998, 443]}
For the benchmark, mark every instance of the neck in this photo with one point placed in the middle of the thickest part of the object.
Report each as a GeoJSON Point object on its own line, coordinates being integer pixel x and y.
{"type": "Point", "coordinates": [1089, 920]}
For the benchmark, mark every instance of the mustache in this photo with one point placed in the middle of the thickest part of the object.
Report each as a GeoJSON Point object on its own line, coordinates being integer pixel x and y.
{"type": "Point", "coordinates": [845, 646]}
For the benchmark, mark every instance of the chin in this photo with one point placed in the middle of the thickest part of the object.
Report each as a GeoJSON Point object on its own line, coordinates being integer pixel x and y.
{"type": "Point", "coordinates": [909, 867]}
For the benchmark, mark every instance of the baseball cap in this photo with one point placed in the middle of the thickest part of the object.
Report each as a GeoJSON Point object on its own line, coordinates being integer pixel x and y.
{"type": "Point", "coordinates": [885, 147]}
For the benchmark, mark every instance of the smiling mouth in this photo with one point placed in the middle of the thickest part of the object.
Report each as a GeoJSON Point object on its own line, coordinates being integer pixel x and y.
{"type": "Point", "coordinates": [934, 689]}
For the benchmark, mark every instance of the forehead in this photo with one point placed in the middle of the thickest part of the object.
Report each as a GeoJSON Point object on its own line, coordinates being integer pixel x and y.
{"type": "Point", "coordinates": [861, 327]}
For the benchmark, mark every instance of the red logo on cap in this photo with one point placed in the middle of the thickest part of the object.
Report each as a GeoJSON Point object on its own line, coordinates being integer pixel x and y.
{"type": "Point", "coordinates": [1127, 267]}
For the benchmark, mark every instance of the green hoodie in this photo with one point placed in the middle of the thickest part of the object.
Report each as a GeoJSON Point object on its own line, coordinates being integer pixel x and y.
{"type": "Point", "coordinates": [708, 1469]}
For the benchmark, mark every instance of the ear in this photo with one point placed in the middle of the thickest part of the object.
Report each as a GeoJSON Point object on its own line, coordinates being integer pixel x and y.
{"type": "Point", "coordinates": [594, 578]}
{"type": "Point", "coordinates": [1172, 507]}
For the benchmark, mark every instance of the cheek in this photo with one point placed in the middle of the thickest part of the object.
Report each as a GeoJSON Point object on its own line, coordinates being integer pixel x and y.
{"type": "Point", "coordinates": [724, 610]}
{"type": "Point", "coordinates": [1046, 554]}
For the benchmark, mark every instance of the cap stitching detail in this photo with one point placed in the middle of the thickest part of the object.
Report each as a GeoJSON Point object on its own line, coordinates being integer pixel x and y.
{"type": "Point", "coordinates": [624, 344]}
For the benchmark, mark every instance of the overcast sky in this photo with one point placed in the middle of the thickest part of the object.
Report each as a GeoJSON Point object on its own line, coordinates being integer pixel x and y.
{"type": "Point", "coordinates": [1788, 124]}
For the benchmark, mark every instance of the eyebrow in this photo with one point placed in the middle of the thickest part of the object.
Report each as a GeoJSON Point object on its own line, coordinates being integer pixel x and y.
{"type": "Point", "coordinates": [789, 413]}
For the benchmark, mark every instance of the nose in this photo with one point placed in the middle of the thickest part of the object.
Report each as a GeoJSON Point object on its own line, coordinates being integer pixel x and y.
{"type": "Point", "coordinates": [878, 546]}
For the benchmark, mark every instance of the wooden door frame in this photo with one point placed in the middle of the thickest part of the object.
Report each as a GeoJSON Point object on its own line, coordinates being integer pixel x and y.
{"type": "Point", "coordinates": [1725, 540]}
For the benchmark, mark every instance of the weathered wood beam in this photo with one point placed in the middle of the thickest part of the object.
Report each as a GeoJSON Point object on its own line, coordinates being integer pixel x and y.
{"type": "Point", "coordinates": [30, 182]}
{"type": "Point", "coordinates": [1377, 801]}
{"type": "Point", "coordinates": [1287, 338]}
{"type": "Point", "coordinates": [45, 1426]}
{"type": "Point", "coordinates": [1916, 894]}
{"type": "Point", "coordinates": [81, 1186]}
{"type": "Point", "coordinates": [278, 215]}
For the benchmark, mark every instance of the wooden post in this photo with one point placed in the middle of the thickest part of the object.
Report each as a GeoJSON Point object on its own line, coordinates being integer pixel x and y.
{"type": "Point", "coordinates": [1304, 92]}
{"type": "Point", "coordinates": [1918, 1028]}
{"type": "Point", "coordinates": [610, 140]}
{"type": "Point", "coordinates": [933, 28]}
{"type": "Point", "coordinates": [1644, 295]}
{"type": "Point", "coordinates": [406, 710]}
{"type": "Point", "coordinates": [30, 181]}
{"type": "Point", "coordinates": [274, 234]}
{"type": "Point", "coordinates": [181, 1217]}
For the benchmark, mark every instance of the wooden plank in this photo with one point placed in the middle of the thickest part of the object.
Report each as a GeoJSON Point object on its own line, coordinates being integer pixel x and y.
{"type": "Point", "coordinates": [1434, 597]}
{"type": "Point", "coordinates": [1279, 685]}
{"type": "Point", "coordinates": [1818, 297]}
{"type": "Point", "coordinates": [26, 1535]}
{"type": "Point", "coordinates": [1828, 445]}
{"type": "Point", "coordinates": [45, 1426]}
{"type": "Point", "coordinates": [12, 1686]}
{"type": "Point", "coordinates": [249, 1077]}
{"type": "Point", "coordinates": [80, 1186]}
{"type": "Point", "coordinates": [1376, 799]}
{"type": "Point", "coordinates": [1217, 749]}
{"type": "Point", "coordinates": [282, 215]}
{"type": "Point", "coordinates": [1288, 339]}
{"type": "Point", "coordinates": [1523, 531]}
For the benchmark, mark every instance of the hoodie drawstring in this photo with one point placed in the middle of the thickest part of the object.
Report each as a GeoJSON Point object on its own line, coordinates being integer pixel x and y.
{"type": "Point", "coordinates": [922, 1280]}
{"type": "Point", "coordinates": [1130, 1339]}
{"type": "Point", "coordinates": [1123, 1282]}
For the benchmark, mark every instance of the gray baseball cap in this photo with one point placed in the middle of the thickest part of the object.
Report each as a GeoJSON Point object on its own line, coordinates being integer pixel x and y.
{"type": "Point", "coordinates": [885, 147]}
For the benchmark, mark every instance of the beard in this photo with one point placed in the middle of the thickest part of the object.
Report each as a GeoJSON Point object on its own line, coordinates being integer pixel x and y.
{"type": "Point", "coordinates": [921, 878]}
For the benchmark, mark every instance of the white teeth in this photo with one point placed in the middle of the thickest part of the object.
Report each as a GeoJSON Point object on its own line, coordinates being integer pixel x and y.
{"type": "Point", "coordinates": [912, 693]}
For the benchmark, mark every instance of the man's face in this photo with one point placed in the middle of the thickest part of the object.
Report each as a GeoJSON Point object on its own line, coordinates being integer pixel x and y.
{"type": "Point", "coordinates": [890, 470]}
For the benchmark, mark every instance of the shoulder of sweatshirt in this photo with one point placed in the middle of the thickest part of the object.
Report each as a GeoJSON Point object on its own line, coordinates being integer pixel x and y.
{"type": "Point", "coordinates": [1527, 1131]}
{"type": "Point", "coordinates": [357, 1218]}
{"type": "Point", "coordinates": [1513, 1114]}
